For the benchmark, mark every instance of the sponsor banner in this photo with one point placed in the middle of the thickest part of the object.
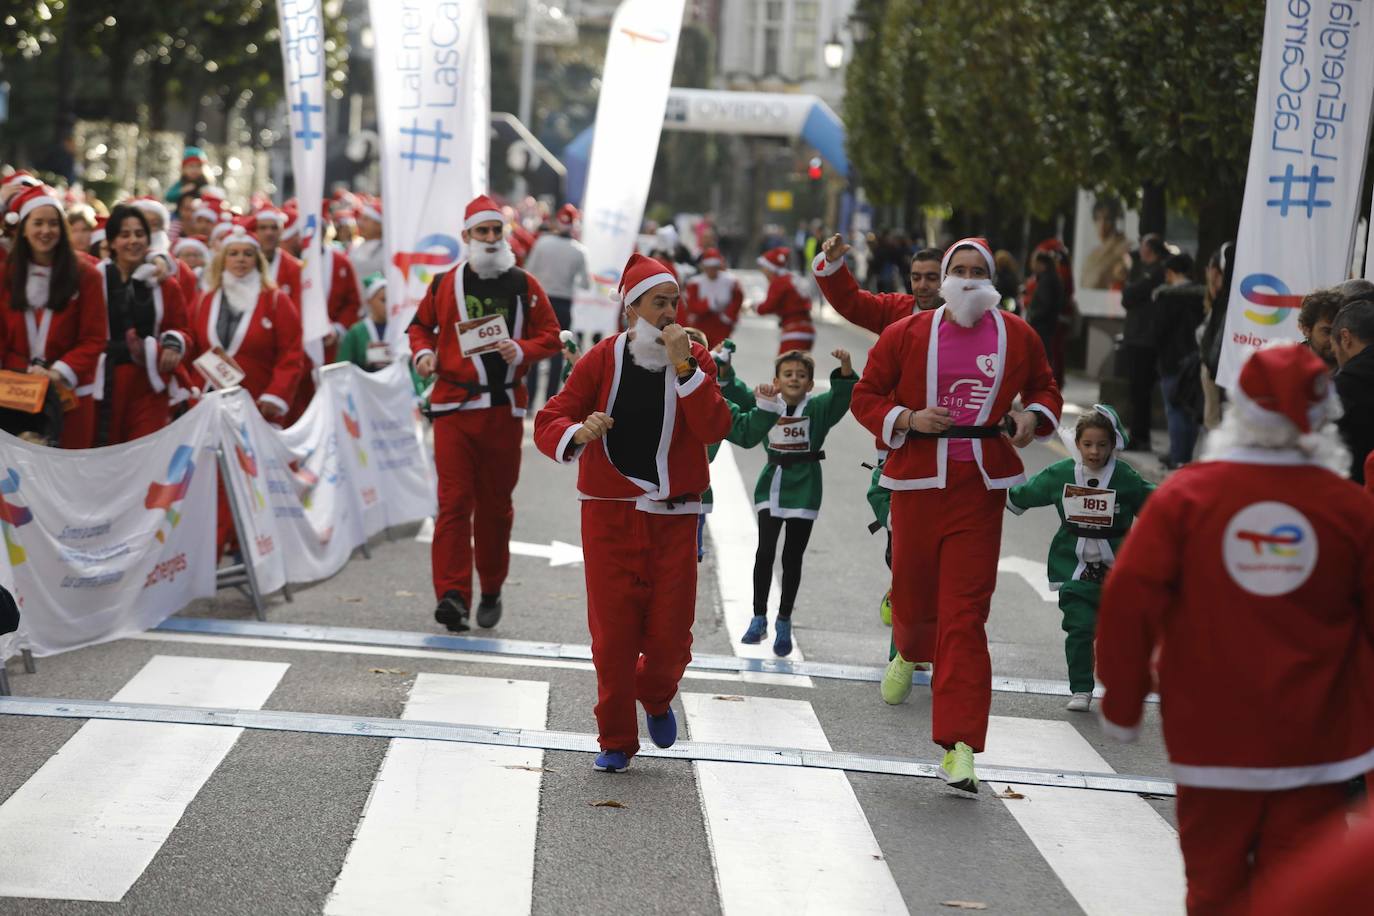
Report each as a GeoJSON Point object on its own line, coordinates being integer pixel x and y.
{"type": "Point", "coordinates": [1307, 159]}
{"type": "Point", "coordinates": [431, 67]}
{"type": "Point", "coordinates": [302, 47]}
{"type": "Point", "coordinates": [389, 442]}
{"type": "Point", "coordinates": [245, 438]}
{"type": "Point", "coordinates": [629, 119]}
{"type": "Point", "coordinates": [89, 562]}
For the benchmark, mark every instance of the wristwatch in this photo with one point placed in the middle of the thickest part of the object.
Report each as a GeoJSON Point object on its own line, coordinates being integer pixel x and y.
{"type": "Point", "coordinates": [686, 369]}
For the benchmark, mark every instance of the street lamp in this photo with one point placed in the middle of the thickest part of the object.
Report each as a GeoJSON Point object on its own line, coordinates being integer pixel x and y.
{"type": "Point", "coordinates": [834, 52]}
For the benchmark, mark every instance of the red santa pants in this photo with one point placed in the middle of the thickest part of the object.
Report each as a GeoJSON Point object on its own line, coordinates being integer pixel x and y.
{"type": "Point", "coordinates": [136, 410]}
{"type": "Point", "coordinates": [797, 337]}
{"type": "Point", "coordinates": [641, 602]}
{"type": "Point", "coordinates": [944, 569]}
{"type": "Point", "coordinates": [1229, 838]}
{"type": "Point", "coordinates": [477, 458]}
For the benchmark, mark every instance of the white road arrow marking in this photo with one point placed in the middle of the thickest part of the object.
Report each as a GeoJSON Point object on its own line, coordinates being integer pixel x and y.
{"type": "Point", "coordinates": [558, 553]}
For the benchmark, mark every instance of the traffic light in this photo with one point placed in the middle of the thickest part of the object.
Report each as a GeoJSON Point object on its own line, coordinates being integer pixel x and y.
{"type": "Point", "coordinates": [814, 169]}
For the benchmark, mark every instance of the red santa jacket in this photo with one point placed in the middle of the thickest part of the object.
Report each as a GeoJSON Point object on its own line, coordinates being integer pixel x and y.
{"type": "Point", "coordinates": [341, 293]}
{"type": "Point", "coordinates": [188, 282]}
{"type": "Point", "coordinates": [713, 305]}
{"type": "Point", "coordinates": [792, 308]}
{"type": "Point", "coordinates": [285, 271]}
{"type": "Point", "coordinates": [534, 328]}
{"type": "Point", "coordinates": [172, 319]}
{"type": "Point", "coordinates": [70, 340]}
{"type": "Point", "coordinates": [871, 311]}
{"type": "Point", "coordinates": [1253, 579]}
{"type": "Point", "coordinates": [266, 344]}
{"type": "Point", "coordinates": [700, 417]}
{"type": "Point", "coordinates": [900, 374]}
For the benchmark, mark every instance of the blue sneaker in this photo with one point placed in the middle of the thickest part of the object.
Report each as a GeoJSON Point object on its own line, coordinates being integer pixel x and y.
{"type": "Point", "coordinates": [611, 762]}
{"type": "Point", "coordinates": [662, 729]}
{"type": "Point", "coordinates": [758, 628]}
{"type": "Point", "coordinates": [782, 642]}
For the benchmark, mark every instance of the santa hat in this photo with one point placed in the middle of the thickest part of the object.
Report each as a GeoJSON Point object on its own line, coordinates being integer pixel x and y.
{"type": "Point", "coordinates": [194, 154]}
{"type": "Point", "coordinates": [98, 234]}
{"type": "Point", "coordinates": [213, 191]}
{"type": "Point", "coordinates": [372, 283]}
{"type": "Point", "coordinates": [482, 210]}
{"type": "Point", "coordinates": [977, 244]}
{"type": "Point", "coordinates": [221, 230]}
{"type": "Point", "coordinates": [17, 182]}
{"type": "Point", "coordinates": [641, 274]}
{"type": "Point", "coordinates": [239, 233]}
{"type": "Point", "coordinates": [1285, 384]}
{"type": "Point", "coordinates": [268, 215]}
{"type": "Point", "coordinates": [31, 199]}
{"type": "Point", "coordinates": [151, 205]}
{"type": "Point", "coordinates": [345, 218]}
{"type": "Point", "coordinates": [774, 259]}
{"type": "Point", "coordinates": [567, 216]}
{"type": "Point", "coordinates": [192, 243]}
{"type": "Point", "coordinates": [1117, 426]}
{"type": "Point", "coordinates": [293, 223]}
{"type": "Point", "coordinates": [711, 258]}
{"type": "Point", "coordinates": [205, 210]}
{"type": "Point", "coordinates": [371, 207]}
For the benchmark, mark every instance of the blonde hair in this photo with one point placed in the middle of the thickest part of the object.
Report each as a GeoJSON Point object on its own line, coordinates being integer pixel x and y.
{"type": "Point", "coordinates": [215, 271]}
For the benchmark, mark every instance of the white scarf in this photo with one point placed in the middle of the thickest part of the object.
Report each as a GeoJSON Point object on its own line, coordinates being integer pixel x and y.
{"type": "Point", "coordinates": [241, 293]}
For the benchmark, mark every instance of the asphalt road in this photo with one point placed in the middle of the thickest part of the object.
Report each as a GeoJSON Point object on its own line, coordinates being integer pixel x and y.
{"type": "Point", "coordinates": [270, 827]}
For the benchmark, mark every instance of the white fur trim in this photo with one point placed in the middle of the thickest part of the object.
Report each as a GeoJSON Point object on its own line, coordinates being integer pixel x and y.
{"type": "Point", "coordinates": [691, 385]}
{"type": "Point", "coordinates": [481, 216]}
{"type": "Point", "coordinates": [519, 354]}
{"type": "Point", "coordinates": [893, 438]}
{"type": "Point", "coordinates": [291, 231]}
{"type": "Point", "coordinates": [270, 216]}
{"type": "Point", "coordinates": [1048, 415]}
{"type": "Point", "coordinates": [1273, 779]}
{"type": "Point", "coordinates": [66, 372]}
{"type": "Point", "coordinates": [710, 262]}
{"type": "Point", "coordinates": [823, 268]}
{"type": "Point", "coordinates": [415, 358]}
{"type": "Point", "coordinates": [192, 244]}
{"type": "Point", "coordinates": [969, 243]}
{"type": "Point", "coordinates": [276, 402]}
{"type": "Point", "coordinates": [643, 286]}
{"type": "Point", "coordinates": [43, 200]}
{"type": "Point", "coordinates": [567, 453]}
{"type": "Point", "coordinates": [206, 213]}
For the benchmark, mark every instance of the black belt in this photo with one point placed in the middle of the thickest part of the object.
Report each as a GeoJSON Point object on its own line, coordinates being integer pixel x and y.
{"type": "Point", "coordinates": [788, 459]}
{"type": "Point", "coordinates": [1091, 534]}
{"type": "Point", "coordinates": [473, 390]}
{"type": "Point", "coordinates": [1007, 426]}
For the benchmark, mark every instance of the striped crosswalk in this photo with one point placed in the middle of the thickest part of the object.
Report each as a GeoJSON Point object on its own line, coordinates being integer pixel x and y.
{"type": "Point", "coordinates": [456, 827]}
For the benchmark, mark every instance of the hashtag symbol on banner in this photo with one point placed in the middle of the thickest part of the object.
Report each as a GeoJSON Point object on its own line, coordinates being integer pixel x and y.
{"type": "Point", "coordinates": [307, 135]}
{"type": "Point", "coordinates": [438, 135]}
{"type": "Point", "coordinates": [1310, 201]}
{"type": "Point", "coordinates": [611, 222]}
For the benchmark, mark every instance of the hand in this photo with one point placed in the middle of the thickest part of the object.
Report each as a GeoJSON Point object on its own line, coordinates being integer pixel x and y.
{"type": "Point", "coordinates": [594, 427]}
{"type": "Point", "coordinates": [269, 410]}
{"type": "Point", "coordinates": [678, 343]}
{"type": "Point", "coordinates": [766, 392]}
{"type": "Point", "coordinates": [425, 365]}
{"type": "Point", "coordinates": [846, 366]}
{"type": "Point", "coordinates": [835, 249]}
{"type": "Point", "coordinates": [1025, 428]}
{"type": "Point", "coordinates": [931, 420]}
{"type": "Point", "coordinates": [330, 338]}
{"type": "Point", "coordinates": [570, 356]}
{"type": "Point", "coordinates": [168, 361]}
{"type": "Point", "coordinates": [509, 350]}
{"type": "Point", "coordinates": [224, 355]}
{"type": "Point", "coordinates": [160, 269]}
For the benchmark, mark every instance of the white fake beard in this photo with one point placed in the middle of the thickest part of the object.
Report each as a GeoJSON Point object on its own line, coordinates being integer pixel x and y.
{"type": "Point", "coordinates": [491, 260]}
{"type": "Point", "coordinates": [646, 346]}
{"type": "Point", "coordinates": [241, 294]}
{"type": "Point", "coordinates": [160, 241]}
{"type": "Point", "coordinates": [967, 300]}
{"type": "Point", "coordinates": [1323, 446]}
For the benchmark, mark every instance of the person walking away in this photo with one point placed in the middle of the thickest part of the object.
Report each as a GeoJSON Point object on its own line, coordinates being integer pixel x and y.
{"type": "Point", "coordinates": [559, 261]}
{"type": "Point", "coordinates": [786, 300]}
{"type": "Point", "coordinates": [1048, 300]}
{"type": "Point", "coordinates": [1137, 298]}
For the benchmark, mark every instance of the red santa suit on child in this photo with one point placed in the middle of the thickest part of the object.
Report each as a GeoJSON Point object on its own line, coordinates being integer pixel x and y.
{"type": "Point", "coordinates": [786, 300]}
{"type": "Point", "coordinates": [713, 303]}
{"type": "Point", "coordinates": [970, 359]}
{"type": "Point", "coordinates": [1245, 593]}
{"type": "Point", "coordinates": [479, 327]}
{"type": "Point", "coordinates": [640, 478]}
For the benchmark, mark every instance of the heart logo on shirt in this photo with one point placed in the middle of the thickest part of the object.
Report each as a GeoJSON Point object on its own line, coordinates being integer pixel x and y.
{"type": "Point", "coordinates": [988, 365]}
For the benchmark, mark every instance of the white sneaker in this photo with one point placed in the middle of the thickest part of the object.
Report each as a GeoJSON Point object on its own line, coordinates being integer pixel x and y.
{"type": "Point", "coordinates": [1079, 702]}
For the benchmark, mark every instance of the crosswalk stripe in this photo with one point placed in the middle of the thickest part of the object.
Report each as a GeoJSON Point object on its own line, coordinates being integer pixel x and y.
{"type": "Point", "coordinates": [770, 826]}
{"type": "Point", "coordinates": [87, 824]}
{"type": "Point", "coordinates": [734, 539]}
{"type": "Point", "coordinates": [1112, 851]}
{"type": "Point", "coordinates": [451, 826]}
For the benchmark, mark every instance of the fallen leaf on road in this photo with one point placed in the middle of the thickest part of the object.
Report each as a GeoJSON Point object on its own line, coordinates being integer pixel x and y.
{"type": "Point", "coordinates": [388, 671]}
{"type": "Point", "coordinates": [607, 804]}
{"type": "Point", "coordinates": [405, 594]}
{"type": "Point", "coordinates": [351, 600]}
{"type": "Point", "coordinates": [964, 904]}
{"type": "Point", "coordinates": [525, 768]}
{"type": "Point", "coordinates": [730, 699]}
{"type": "Point", "coordinates": [1009, 792]}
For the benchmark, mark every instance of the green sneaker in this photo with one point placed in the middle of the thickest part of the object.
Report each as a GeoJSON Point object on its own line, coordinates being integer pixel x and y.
{"type": "Point", "coordinates": [896, 686]}
{"type": "Point", "coordinates": [958, 768]}
{"type": "Point", "coordinates": [885, 609]}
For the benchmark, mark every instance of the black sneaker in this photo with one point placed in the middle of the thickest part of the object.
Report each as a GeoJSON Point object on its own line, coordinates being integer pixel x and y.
{"type": "Point", "coordinates": [489, 611]}
{"type": "Point", "coordinates": [452, 612]}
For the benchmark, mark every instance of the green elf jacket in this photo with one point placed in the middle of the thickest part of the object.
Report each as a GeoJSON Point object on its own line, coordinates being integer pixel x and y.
{"type": "Point", "coordinates": [353, 349]}
{"type": "Point", "coordinates": [794, 490]}
{"type": "Point", "coordinates": [740, 399]}
{"type": "Point", "coordinates": [1073, 547]}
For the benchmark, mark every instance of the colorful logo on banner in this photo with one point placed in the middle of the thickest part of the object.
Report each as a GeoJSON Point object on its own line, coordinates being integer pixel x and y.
{"type": "Point", "coordinates": [425, 257]}
{"type": "Point", "coordinates": [248, 461]}
{"type": "Point", "coordinates": [1268, 291]}
{"type": "Point", "coordinates": [12, 516]}
{"type": "Point", "coordinates": [165, 496]}
{"type": "Point", "coordinates": [354, 424]}
{"type": "Point", "coordinates": [1270, 549]}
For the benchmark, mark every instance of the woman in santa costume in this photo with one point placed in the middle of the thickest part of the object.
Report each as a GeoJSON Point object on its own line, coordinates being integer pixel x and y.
{"type": "Point", "coordinates": [637, 414]}
{"type": "Point", "coordinates": [1245, 596]}
{"type": "Point", "coordinates": [938, 391]}
{"type": "Point", "coordinates": [52, 315]}
{"type": "Point", "coordinates": [479, 328]}
{"type": "Point", "coordinates": [713, 299]}
{"type": "Point", "coordinates": [148, 333]}
{"type": "Point", "coordinates": [787, 301]}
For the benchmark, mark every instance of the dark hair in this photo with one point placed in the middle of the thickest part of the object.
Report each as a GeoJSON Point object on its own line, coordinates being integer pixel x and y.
{"type": "Point", "coordinates": [118, 216]}
{"type": "Point", "coordinates": [928, 254]}
{"type": "Point", "coordinates": [1043, 257]}
{"type": "Point", "coordinates": [1358, 318]}
{"type": "Point", "coordinates": [1224, 260]}
{"type": "Point", "coordinates": [1358, 288]}
{"type": "Point", "coordinates": [795, 356]}
{"type": "Point", "coordinates": [1155, 243]}
{"type": "Point", "coordinates": [1109, 205]}
{"type": "Point", "coordinates": [1094, 419]}
{"type": "Point", "coordinates": [1320, 305]}
{"type": "Point", "coordinates": [1181, 263]}
{"type": "Point", "coordinates": [66, 270]}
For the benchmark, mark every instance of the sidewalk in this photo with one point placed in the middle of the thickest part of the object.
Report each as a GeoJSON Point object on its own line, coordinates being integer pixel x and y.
{"type": "Point", "coordinates": [1082, 392]}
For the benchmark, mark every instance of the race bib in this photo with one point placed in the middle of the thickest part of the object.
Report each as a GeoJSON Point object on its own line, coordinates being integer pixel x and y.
{"type": "Point", "coordinates": [482, 335]}
{"type": "Point", "coordinates": [217, 370]}
{"type": "Point", "coordinates": [378, 353]}
{"type": "Point", "coordinates": [790, 434]}
{"type": "Point", "coordinates": [1089, 507]}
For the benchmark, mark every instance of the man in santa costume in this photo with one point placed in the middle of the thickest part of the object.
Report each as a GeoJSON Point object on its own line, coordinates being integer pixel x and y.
{"type": "Point", "coordinates": [369, 255]}
{"type": "Point", "coordinates": [479, 328]}
{"type": "Point", "coordinates": [786, 300]}
{"type": "Point", "coordinates": [160, 246]}
{"type": "Point", "coordinates": [341, 285]}
{"type": "Point", "coordinates": [938, 390]}
{"type": "Point", "coordinates": [875, 311]}
{"type": "Point", "coordinates": [714, 298]}
{"type": "Point", "coordinates": [283, 268]}
{"type": "Point", "coordinates": [637, 414]}
{"type": "Point", "coordinates": [1245, 596]}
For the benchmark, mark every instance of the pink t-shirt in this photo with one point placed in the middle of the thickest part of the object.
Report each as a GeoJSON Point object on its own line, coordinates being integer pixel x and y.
{"type": "Point", "coordinates": [967, 367]}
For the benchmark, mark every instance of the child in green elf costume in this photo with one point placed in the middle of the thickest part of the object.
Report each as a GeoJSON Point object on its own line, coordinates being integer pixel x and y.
{"type": "Point", "coordinates": [365, 343]}
{"type": "Point", "coordinates": [794, 424]}
{"type": "Point", "coordinates": [1098, 497]}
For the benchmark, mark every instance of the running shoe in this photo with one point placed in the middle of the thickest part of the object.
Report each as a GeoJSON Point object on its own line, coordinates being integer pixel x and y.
{"type": "Point", "coordinates": [896, 685]}
{"type": "Point", "coordinates": [782, 642]}
{"type": "Point", "coordinates": [957, 768]}
{"type": "Point", "coordinates": [885, 609]}
{"type": "Point", "coordinates": [611, 762]}
{"type": "Point", "coordinates": [452, 612]}
{"type": "Point", "coordinates": [662, 729]}
{"type": "Point", "coordinates": [1079, 702]}
{"type": "Point", "coordinates": [489, 610]}
{"type": "Point", "coordinates": [758, 628]}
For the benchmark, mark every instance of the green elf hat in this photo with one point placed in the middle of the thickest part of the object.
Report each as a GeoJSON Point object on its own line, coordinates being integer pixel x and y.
{"type": "Point", "coordinates": [1110, 413]}
{"type": "Point", "coordinates": [374, 282]}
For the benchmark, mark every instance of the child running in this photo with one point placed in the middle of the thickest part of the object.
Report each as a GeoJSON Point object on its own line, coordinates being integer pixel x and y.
{"type": "Point", "coordinates": [788, 492]}
{"type": "Point", "coordinates": [1098, 497]}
